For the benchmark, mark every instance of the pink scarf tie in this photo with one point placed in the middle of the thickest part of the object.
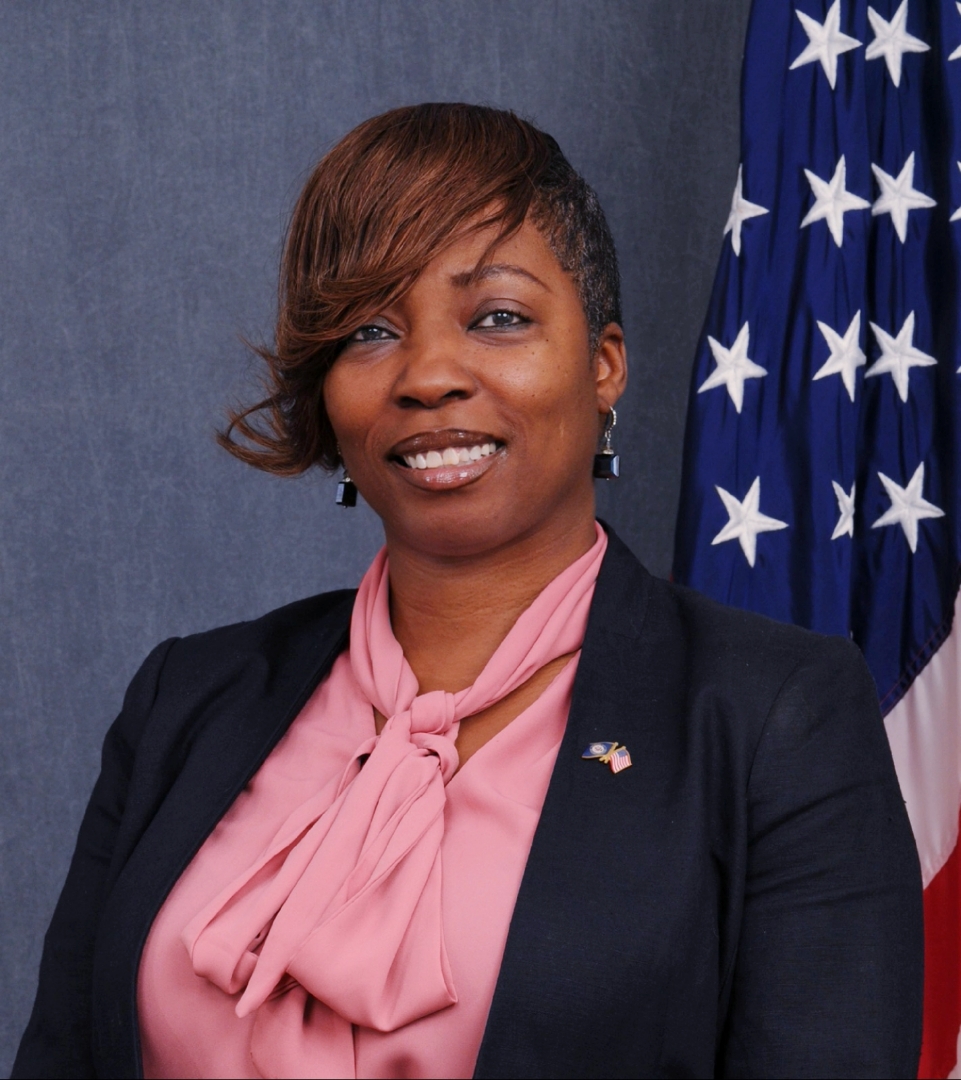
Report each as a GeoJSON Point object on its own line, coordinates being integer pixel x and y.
{"type": "Point", "coordinates": [344, 904]}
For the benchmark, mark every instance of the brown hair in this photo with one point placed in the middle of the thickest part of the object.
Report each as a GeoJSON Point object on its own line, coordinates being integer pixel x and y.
{"type": "Point", "coordinates": [390, 196]}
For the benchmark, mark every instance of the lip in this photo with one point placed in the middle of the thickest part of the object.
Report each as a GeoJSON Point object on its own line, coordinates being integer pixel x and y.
{"type": "Point", "coordinates": [444, 477]}
{"type": "Point", "coordinates": [438, 440]}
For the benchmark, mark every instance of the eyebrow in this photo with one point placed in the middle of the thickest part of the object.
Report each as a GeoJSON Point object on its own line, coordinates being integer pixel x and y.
{"type": "Point", "coordinates": [467, 278]}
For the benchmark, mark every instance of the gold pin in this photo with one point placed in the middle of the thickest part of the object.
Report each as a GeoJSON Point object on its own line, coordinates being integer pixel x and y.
{"type": "Point", "coordinates": [609, 753]}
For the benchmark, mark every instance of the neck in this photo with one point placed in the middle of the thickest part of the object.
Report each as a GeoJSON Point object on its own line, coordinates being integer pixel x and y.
{"type": "Point", "coordinates": [449, 613]}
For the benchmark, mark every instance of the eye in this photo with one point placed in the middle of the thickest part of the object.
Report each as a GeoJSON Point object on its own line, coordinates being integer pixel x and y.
{"type": "Point", "coordinates": [500, 319]}
{"type": "Point", "coordinates": [370, 332]}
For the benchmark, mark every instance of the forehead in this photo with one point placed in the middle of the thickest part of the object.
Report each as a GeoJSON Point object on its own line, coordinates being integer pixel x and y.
{"type": "Point", "coordinates": [478, 258]}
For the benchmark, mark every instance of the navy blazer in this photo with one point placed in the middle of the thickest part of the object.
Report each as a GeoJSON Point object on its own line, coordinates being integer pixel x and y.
{"type": "Point", "coordinates": [744, 901]}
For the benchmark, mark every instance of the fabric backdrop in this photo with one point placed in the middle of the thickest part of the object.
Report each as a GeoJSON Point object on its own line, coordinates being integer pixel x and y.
{"type": "Point", "coordinates": [149, 155]}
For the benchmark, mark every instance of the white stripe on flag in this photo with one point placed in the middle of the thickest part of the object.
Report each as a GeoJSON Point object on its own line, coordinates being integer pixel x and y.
{"type": "Point", "coordinates": [955, 1073]}
{"type": "Point", "coordinates": [924, 730]}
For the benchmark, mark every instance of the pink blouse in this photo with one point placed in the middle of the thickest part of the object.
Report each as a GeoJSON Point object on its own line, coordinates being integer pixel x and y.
{"type": "Point", "coordinates": [190, 1025]}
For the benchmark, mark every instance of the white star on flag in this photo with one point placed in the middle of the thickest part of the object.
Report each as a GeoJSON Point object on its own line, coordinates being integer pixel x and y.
{"type": "Point", "coordinates": [956, 216]}
{"type": "Point", "coordinates": [825, 42]}
{"type": "Point", "coordinates": [907, 506]}
{"type": "Point", "coordinates": [898, 196]}
{"type": "Point", "coordinates": [845, 525]}
{"type": "Point", "coordinates": [956, 55]}
{"type": "Point", "coordinates": [898, 355]}
{"type": "Point", "coordinates": [741, 210]}
{"type": "Point", "coordinates": [892, 41]}
{"type": "Point", "coordinates": [846, 354]}
{"type": "Point", "coordinates": [745, 520]}
{"type": "Point", "coordinates": [733, 367]}
{"type": "Point", "coordinates": [832, 201]}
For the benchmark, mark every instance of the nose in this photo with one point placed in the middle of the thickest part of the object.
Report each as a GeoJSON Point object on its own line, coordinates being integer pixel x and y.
{"type": "Point", "coordinates": [432, 375]}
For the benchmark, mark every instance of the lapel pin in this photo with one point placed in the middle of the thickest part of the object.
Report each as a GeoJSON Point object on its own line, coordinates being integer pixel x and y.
{"type": "Point", "coordinates": [609, 753]}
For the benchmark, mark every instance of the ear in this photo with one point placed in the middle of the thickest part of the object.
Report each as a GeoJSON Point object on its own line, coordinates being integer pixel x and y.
{"type": "Point", "coordinates": [610, 367]}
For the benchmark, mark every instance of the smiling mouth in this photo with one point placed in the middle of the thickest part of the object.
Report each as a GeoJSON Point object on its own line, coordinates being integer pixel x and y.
{"type": "Point", "coordinates": [446, 458]}
{"type": "Point", "coordinates": [450, 455]}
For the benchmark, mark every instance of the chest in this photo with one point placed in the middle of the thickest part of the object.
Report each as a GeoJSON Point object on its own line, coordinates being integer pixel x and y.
{"type": "Point", "coordinates": [625, 923]}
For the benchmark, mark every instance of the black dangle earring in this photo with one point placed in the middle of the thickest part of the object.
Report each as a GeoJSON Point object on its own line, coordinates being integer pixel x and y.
{"type": "Point", "coordinates": [346, 491]}
{"type": "Point", "coordinates": [607, 464]}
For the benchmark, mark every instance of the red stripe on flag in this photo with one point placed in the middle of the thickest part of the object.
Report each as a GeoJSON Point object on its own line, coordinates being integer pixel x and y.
{"type": "Point", "coordinates": [942, 967]}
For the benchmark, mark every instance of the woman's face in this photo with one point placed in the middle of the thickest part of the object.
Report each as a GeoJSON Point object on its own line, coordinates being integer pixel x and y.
{"type": "Point", "coordinates": [468, 412]}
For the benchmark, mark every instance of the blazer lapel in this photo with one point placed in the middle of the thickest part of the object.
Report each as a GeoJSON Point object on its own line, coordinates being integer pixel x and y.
{"type": "Point", "coordinates": [273, 682]}
{"type": "Point", "coordinates": [563, 978]}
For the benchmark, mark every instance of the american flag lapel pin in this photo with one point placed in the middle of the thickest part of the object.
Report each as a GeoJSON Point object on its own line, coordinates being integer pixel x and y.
{"type": "Point", "coordinates": [609, 753]}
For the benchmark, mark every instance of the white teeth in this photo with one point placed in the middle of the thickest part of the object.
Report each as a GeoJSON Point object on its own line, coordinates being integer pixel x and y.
{"type": "Point", "coordinates": [451, 455]}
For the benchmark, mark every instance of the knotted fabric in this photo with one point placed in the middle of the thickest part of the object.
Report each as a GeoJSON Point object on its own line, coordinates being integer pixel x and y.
{"type": "Point", "coordinates": [340, 916]}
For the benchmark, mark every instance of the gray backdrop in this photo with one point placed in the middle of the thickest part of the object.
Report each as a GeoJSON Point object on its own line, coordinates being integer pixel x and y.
{"type": "Point", "coordinates": [149, 155]}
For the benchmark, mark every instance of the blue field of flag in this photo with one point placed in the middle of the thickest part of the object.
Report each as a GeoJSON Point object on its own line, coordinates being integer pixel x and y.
{"type": "Point", "coordinates": [822, 474]}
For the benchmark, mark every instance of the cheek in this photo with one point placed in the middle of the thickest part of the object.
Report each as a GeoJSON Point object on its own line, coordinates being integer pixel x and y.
{"type": "Point", "coordinates": [554, 382]}
{"type": "Point", "coordinates": [349, 401]}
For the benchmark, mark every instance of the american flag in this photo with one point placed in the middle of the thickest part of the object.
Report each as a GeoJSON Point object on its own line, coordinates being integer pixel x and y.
{"type": "Point", "coordinates": [620, 759]}
{"type": "Point", "coordinates": [822, 472]}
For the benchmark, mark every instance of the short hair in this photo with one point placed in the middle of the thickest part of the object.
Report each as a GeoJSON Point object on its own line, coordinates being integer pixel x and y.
{"type": "Point", "coordinates": [392, 194]}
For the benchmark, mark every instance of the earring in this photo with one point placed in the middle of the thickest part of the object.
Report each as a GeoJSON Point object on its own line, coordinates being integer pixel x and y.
{"type": "Point", "coordinates": [607, 464]}
{"type": "Point", "coordinates": [346, 491]}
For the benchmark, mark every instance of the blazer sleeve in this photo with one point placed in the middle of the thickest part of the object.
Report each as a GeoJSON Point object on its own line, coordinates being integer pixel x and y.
{"type": "Point", "coordinates": [57, 1040]}
{"type": "Point", "coordinates": [828, 975]}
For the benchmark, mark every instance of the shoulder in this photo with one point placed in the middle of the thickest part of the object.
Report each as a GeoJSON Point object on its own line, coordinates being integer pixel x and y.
{"type": "Point", "coordinates": [776, 689]}
{"type": "Point", "coordinates": [743, 655]}
{"type": "Point", "coordinates": [725, 651]}
{"type": "Point", "coordinates": [278, 652]}
{"type": "Point", "coordinates": [278, 636]}
{"type": "Point", "coordinates": [719, 673]}
{"type": "Point", "coordinates": [736, 645]}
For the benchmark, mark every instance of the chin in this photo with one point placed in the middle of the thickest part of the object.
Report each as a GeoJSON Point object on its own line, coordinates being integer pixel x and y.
{"type": "Point", "coordinates": [454, 529]}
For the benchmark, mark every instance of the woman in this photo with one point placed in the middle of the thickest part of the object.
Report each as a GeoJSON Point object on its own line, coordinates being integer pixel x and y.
{"type": "Point", "coordinates": [517, 808]}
